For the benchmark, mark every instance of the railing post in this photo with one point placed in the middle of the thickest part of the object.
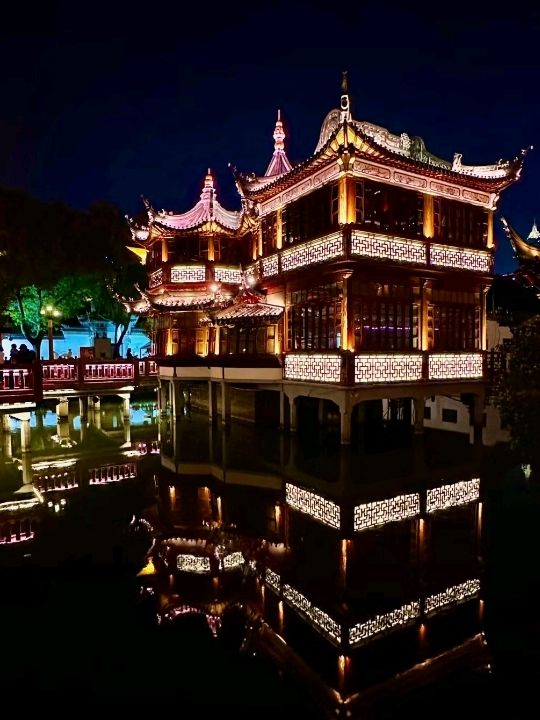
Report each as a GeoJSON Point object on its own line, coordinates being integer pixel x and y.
{"type": "Point", "coordinates": [425, 365]}
{"type": "Point", "coordinates": [37, 380]}
{"type": "Point", "coordinates": [347, 367]}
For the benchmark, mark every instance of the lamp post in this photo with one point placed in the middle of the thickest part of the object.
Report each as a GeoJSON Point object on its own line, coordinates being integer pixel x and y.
{"type": "Point", "coordinates": [50, 313]}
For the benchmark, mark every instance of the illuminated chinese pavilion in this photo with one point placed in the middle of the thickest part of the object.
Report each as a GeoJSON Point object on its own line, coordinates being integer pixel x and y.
{"type": "Point", "coordinates": [358, 274]}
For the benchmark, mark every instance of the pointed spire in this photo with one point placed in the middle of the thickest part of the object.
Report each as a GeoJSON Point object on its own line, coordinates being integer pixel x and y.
{"type": "Point", "coordinates": [209, 180]}
{"type": "Point", "coordinates": [208, 193]}
{"type": "Point", "coordinates": [535, 233]}
{"type": "Point", "coordinates": [279, 163]}
{"type": "Point", "coordinates": [279, 134]}
{"type": "Point", "coordinates": [345, 99]}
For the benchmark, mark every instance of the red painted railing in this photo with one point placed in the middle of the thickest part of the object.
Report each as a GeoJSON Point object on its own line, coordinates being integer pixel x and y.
{"type": "Point", "coordinates": [26, 383]}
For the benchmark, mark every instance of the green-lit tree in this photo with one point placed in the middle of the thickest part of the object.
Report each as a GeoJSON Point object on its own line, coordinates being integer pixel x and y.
{"type": "Point", "coordinates": [517, 394]}
{"type": "Point", "coordinates": [52, 254]}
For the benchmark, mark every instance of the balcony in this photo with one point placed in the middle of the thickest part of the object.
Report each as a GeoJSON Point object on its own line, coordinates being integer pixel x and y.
{"type": "Point", "coordinates": [351, 244]}
{"type": "Point", "coordinates": [347, 368]}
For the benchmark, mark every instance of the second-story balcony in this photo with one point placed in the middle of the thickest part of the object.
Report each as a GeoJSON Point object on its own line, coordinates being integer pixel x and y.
{"type": "Point", "coordinates": [352, 243]}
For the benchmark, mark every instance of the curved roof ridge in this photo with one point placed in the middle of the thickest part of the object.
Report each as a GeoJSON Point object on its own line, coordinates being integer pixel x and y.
{"type": "Point", "coordinates": [207, 209]}
{"type": "Point", "coordinates": [522, 249]}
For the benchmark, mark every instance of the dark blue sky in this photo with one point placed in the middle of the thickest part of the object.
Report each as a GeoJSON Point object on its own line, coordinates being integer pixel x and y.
{"type": "Point", "coordinates": [108, 101]}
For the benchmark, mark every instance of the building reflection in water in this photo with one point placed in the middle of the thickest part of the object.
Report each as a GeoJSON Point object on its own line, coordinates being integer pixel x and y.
{"type": "Point", "coordinates": [359, 573]}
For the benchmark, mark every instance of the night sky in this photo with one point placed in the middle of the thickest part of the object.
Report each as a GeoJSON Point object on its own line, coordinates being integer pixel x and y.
{"type": "Point", "coordinates": [113, 100]}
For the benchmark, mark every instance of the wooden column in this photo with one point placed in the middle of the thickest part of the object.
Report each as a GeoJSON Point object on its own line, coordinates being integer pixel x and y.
{"type": "Point", "coordinates": [347, 317]}
{"type": "Point", "coordinates": [490, 239]}
{"type": "Point", "coordinates": [259, 241]}
{"type": "Point", "coordinates": [429, 217]}
{"type": "Point", "coordinates": [483, 316]}
{"type": "Point", "coordinates": [164, 250]}
{"type": "Point", "coordinates": [423, 315]}
{"type": "Point", "coordinates": [342, 200]}
{"type": "Point", "coordinates": [279, 230]}
{"type": "Point", "coordinates": [211, 249]}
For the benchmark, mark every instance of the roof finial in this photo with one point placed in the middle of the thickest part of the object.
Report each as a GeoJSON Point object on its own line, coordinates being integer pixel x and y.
{"type": "Point", "coordinates": [535, 233]}
{"type": "Point", "coordinates": [209, 180]}
{"type": "Point", "coordinates": [279, 133]}
{"type": "Point", "coordinates": [345, 99]}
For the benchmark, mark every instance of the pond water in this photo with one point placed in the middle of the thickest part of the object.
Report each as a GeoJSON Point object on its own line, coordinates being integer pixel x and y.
{"type": "Point", "coordinates": [151, 564]}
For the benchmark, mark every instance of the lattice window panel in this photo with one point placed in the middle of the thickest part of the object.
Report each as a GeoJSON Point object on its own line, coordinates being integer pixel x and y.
{"type": "Point", "coordinates": [252, 273]}
{"type": "Point", "coordinates": [453, 596]}
{"type": "Point", "coordinates": [296, 599]}
{"type": "Point", "coordinates": [315, 368]}
{"type": "Point", "coordinates": [320, 620]}
{"type": "Point", "coordinates": [270, 266]}
{"type": "Point", "coordinates": [392, 248]}
{"type": "Point", "coordinates": [386, 511]}
{"type": "Point", "coordinates": [193, 563]}
{"type": "Point", "coordinates": [461, 258]}
{"type": "Point", "coordinates": [382, 623]}
{"type": "Point", "coordinates": [188, 273]}
{"type": "Point", "coordinates": [233, 560]}
{"type": "Point", "coordinates": [228, 275]}
{"type": "Point", "coordinates": [273, 581]}
{"type": "Point", "coordinates": [325, 624]}
{"type": "Point", "coordinates": [455, 366]}
{"type": "Point", "coordinates": [313, 505]}
{"type": "Point", "coordinates": [156, 278]}
{"type": "Point", "coordinates": [387, 368]}
{"type": "Point", "coordinates": [316, 251]}
{"type": "Point", "coordinates": [447, 496]}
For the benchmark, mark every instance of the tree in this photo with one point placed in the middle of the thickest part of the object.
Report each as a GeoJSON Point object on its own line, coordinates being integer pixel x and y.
{"type": "Point", "coordinates": [52, 254]}
{"type": "Point", "coordinates": [517, 394]}
{"type": "Point", "coordinates": [68, 296]}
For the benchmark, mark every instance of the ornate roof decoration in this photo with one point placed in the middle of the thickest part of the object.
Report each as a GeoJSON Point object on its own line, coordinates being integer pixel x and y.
{"type": "Point", "coordinates": [523, 250]}
{"type": "Point", "coordinates": [535, 233]}
{"type": "Point", "coordinates": [279, 163]}
{"type": "Point", "coordinates": [341, 133]}
{"type": "Point", "coordinates": [138, 307]}
{"type": "Point", "coordinates": [207, 210]}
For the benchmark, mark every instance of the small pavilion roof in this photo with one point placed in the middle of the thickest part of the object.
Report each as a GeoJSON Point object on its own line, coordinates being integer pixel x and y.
{"type": "Point", "coordinates": [279, 164]}
{"type": "Point", "coordinates": [206, 210]}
